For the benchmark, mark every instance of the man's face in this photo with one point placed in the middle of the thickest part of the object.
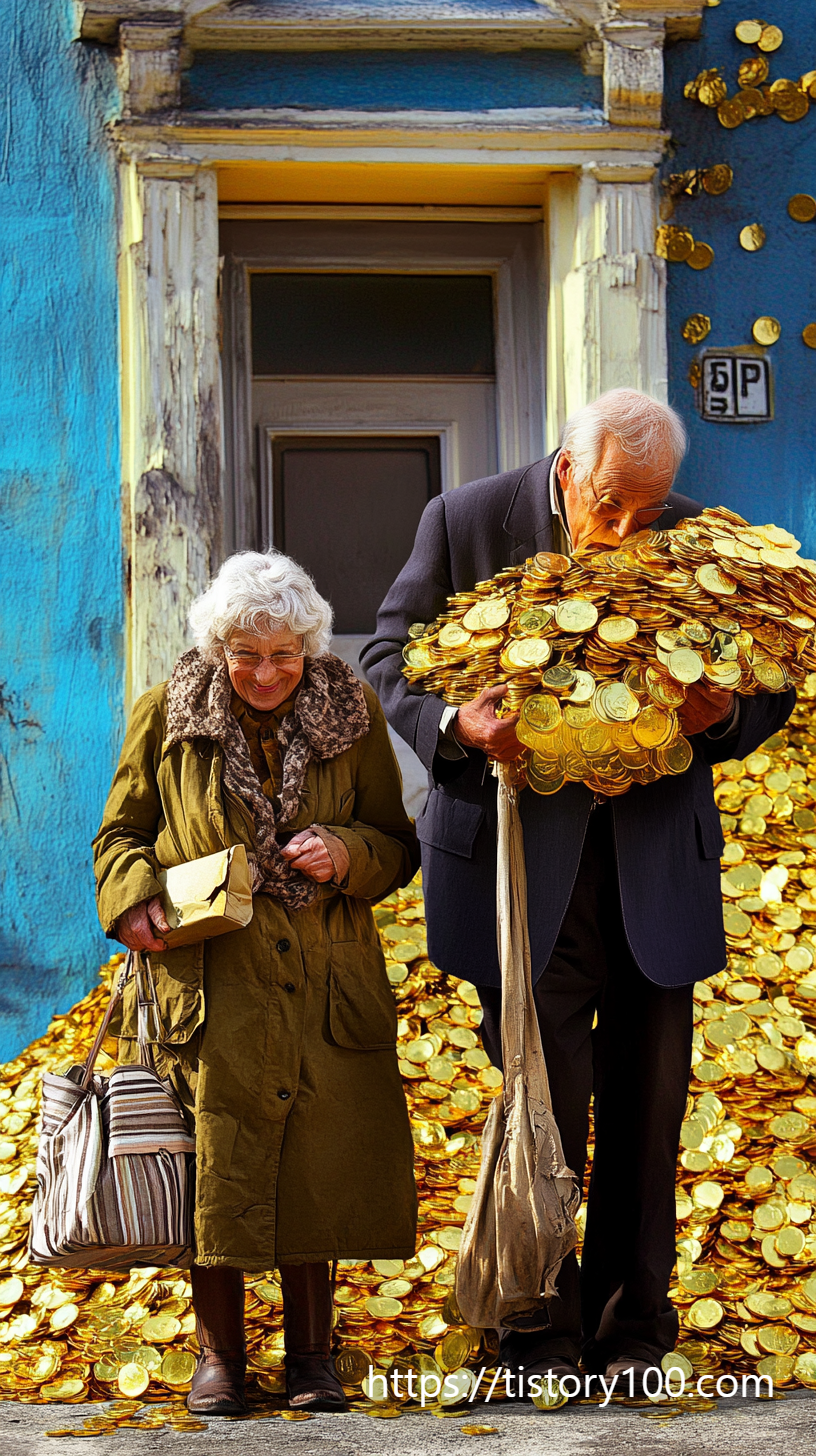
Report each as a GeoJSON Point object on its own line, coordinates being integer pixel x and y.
{"type": "Point", "coordinates": [618, 499]}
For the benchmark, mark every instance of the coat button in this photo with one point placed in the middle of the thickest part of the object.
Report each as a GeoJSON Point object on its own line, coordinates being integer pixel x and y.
{"type": "Point", "coordinates": [283, 946]}
{"type": "Point", "coordinates": [284, 1095]}
{"type": "Point", "coordinates": [290, 986]}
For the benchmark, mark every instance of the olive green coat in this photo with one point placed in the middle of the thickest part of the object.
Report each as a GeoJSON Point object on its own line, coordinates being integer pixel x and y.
{"type": "Point", "coordinates": [280, 1038]}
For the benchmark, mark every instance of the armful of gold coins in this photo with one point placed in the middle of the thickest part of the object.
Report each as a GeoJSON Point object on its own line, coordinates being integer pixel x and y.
{"type": "Point", "coordinates": [598, 654]}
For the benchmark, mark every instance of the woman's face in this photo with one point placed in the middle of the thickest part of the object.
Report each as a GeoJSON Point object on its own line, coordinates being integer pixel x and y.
{"type": "Point", "coordinates": [264, 670]}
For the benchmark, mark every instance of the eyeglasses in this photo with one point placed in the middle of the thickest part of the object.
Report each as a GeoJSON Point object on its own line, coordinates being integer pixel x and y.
{"type": "Point", "coordinates": [610, 510]}
{"type": "Point", "coordinates": [249, 661]}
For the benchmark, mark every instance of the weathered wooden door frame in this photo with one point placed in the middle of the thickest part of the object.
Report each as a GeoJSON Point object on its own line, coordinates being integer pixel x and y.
{"type": "Point", "coordinates": [512, 254]}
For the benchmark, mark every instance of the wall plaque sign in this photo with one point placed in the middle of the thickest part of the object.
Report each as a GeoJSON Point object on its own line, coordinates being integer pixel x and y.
{"type": "Point", "coordinates": [735, 387]}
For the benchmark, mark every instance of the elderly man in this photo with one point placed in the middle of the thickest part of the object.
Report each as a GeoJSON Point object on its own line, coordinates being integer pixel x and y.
{"type": "Point", "coordinates": [625, 911]}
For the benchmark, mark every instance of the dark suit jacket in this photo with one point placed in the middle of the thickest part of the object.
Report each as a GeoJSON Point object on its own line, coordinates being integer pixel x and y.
{"type": "Point", "coordinates": [668, 834]}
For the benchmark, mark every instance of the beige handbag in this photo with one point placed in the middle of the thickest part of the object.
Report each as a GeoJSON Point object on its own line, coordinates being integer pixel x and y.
{"type": "Point", "coordinates": [207, 897]}
{"type": "Point", "coordinates": [521, 1223]}
{"type": "Point", "coordinates": [114, 1175]}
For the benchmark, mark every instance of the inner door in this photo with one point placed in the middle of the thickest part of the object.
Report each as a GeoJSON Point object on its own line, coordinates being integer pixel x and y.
{"type": "Point", "coordinates": [347, 508]}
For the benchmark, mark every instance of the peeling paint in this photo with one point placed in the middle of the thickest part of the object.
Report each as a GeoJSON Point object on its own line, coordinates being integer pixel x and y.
{"type": "Point", "coordinates": [60, 538]}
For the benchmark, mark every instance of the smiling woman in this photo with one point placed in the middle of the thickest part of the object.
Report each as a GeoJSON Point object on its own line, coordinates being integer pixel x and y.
{"type": "Point", "coordinates": [280, 1038]}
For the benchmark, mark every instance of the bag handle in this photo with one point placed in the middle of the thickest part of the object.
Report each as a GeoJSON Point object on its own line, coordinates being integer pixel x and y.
{"type": "Point", "coordinates": [138, 967]}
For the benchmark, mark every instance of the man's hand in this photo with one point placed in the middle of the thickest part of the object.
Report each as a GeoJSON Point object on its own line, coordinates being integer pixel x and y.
{"type": "Point", "coordinates": [478, 727]}
{"type": "Point", "coordinates": [141, 926]}
{"type": "Point", "coordinates": [705, 706]}
{"type": "Point", "coordinates": [307, 852]}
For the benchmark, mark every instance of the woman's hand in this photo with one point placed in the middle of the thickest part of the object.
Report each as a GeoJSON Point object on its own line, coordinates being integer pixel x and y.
{"type": "Point", "coordinates": [140, 926]}
{"type": "Point", "coordinates": [307, 852]}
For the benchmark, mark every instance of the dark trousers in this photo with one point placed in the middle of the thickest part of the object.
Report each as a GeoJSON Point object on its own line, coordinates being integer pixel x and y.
{"type": "Point", "coordinates": [635, 1062]}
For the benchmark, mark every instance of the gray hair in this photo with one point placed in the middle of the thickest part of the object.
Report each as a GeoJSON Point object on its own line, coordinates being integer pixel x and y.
{"type": "Point", "coordinates": [644, 429]}
{"type": "Point", "coordinates": [261, 593]}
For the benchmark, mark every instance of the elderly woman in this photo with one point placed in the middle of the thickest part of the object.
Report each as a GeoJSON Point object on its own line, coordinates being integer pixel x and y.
{"type": "Point", "coordinates": [280, 1037]}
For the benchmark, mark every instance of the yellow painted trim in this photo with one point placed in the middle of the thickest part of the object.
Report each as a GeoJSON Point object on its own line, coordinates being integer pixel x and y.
{"type": "Point", "coordinates": [382, 190]}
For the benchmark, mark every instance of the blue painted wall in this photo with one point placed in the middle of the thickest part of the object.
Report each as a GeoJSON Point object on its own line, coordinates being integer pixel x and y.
{"type": "Point", "coordinates": [62, 602]}
{"type": "Point", "coordinates": [465, 80]}
{"type": "Point", "coordinates": [765, 471]}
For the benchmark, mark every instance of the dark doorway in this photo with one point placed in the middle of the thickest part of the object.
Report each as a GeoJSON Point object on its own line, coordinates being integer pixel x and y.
{"type": "Point", "coordinates": [347, 508]}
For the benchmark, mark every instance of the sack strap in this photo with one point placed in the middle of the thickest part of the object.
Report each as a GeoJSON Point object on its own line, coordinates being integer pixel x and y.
{"type": "Point", "coordinates": [137, 966]}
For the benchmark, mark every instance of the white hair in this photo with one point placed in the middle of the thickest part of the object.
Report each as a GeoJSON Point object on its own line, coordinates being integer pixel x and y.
{"type": "Point", "coordinates": [644, 429]}
{"type": "Point", "coordinates": [261, 593]}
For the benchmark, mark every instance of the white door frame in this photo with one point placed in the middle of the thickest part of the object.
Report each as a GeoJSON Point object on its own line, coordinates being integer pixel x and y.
{"type": "Point", "coordinates": [512, 255]}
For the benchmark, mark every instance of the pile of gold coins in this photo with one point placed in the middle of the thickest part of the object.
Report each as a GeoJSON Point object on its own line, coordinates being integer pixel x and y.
{"type": "Point", "coordinates": [746, 1195]}
{"type": "Point", "coordinates": [789, 100]}
{"type": "Point", "coordinates": [598, 654]}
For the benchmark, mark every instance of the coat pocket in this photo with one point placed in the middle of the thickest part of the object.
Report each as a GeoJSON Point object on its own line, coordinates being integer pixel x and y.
{"type": "Point", "coordinates": [450, 824]}
{"type": "Point", "coordinates": [362, 1010]}
{"type": "Point", "coordinates": [179, 979]}
{"type": "Point", "coordinates": [710, 837]}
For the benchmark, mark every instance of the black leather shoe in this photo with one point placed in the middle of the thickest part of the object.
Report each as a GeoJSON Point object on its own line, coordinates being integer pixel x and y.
{"type": "Point", "coordinates": [631, 1385]}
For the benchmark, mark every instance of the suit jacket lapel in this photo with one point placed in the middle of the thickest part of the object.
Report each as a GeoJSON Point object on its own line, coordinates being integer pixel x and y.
{"type": "Point", "coordinates": [529, 520]}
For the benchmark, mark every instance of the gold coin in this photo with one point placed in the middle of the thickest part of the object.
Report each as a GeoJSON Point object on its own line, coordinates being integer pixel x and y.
{"type": "Point", "coordinates": [146, 1356]}
{"type": "Point", "coordinates": [617, 701]}
{"type": "Point", "coordinates": [484, 1430]}
{"type": "Point", "coordinates": [178, 1367]}
{"type": "Point", "coordinates": [417, 629]}
{"type": "Point", "coordinates": [752, 237]}
{"type": "Point", "coordinates": [701, 256]}
{"type": "Point", "coordinates": [552, 563]}
{"type": "Point", "coordinates": [617, 629]}
{"type": "Point", "coordinates": [717, 179]}
{"type": "Point", "coordinates": [133, 1379]}
{"type": "Point", "coordinates": [804, 1369]}
{"type": "Point", "coordinates": [160, 1328]}
{"type": "Point", "coordinates": [10, 1291]}
{"type": "Point", "coordinates": [705, 1314]}
{"type": "Point", "coordinates": [770, 38]}
{"type": "Point", "coordinates": [792, 107]}
{"type": "Point", "coordinates": [712, 91]}
{"type": "Point", "coordinates": [780, 1368]}
{"type": "Point", "coordinates": [576, 614]}
{"type": "Point", "coordinates": [561, 677]}
{"type": "Point", "coordinates": [753, 71]}
{"type": "Point", "coordinates": [452, 635]}
{"type": "Point", "coordinates": [351, 1363]}
{"type": "Point", "coordinates": [749, 31]}
{"type": "Point", "coordinates": [526, 652]}
{"type": "Point", "coordinates": [809, 335]}
{"type": "Point", "coordinates": [487, 615]}
{"type": "Point", "coordinates": [685, 665]}
{"type": "Point", "coordinates": [453, 1351]}
{"type": "Point", "coordinates": [713, 579]}
{"type": "Point", "coordinates": [777, 1339]}
{"type": "Point", "coordinates": [540, 714]}
{"type": "Point", "coordinates": [675, 758]}
{"type": "Point", "coordinates": [543, 777]}
{"type": "Point", "coordinates": [654, 727]}
{"type": "Point", "coordinates": [730, 113]}
{"type": "Point", "coordinates": [67, 1389]}
{"type": "Point", "coordinates": [584, 687]}
{"type": "Point", "coordinates": [63, 1317]}
{"type": "Point", "coordinates": [535, 619]}
{"type": "Point", "coordinates": [802, 207]}
{"type": "Point", "coordinates": [696, 328]}
{"type": "Point", "coordinates": [382, 1309]}
{"type": "Point", "coordinates": [769, 673]}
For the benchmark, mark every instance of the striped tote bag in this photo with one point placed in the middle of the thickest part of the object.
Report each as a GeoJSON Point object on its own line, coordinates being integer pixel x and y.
{"type": "Point", "coordinates": [114, 1161]}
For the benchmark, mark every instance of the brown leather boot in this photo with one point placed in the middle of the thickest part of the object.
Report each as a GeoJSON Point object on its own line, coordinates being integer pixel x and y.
{"type": "Point", "coordinates": [218, 1383]}
{"type": "Point", "coordinates": [311, 1382]}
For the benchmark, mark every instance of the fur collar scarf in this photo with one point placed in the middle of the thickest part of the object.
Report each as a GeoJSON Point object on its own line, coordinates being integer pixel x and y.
{"type": "Point", "coordinates": [329, 715]}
